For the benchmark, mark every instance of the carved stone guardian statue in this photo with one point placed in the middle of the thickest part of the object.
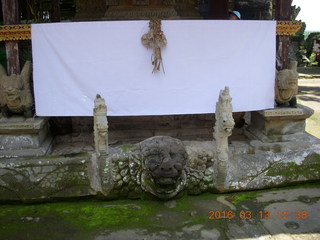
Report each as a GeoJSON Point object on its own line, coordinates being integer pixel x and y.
{"type": "Point", "coordinates": [222, 130]}
{"type": "Point", "coordinates": [100, 126]}
{"type": "Point", "coordinates": [15, 92]}
{"type": "Point", "coordinates": [286, 86]}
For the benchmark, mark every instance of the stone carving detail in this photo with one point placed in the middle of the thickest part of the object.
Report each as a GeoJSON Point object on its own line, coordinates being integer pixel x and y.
{"type": "Point", "coordinates": [286, 86]}
{"type": "Point", "coordinates": [100, 126]}
{"type": "Point", "coordinates": [15, 92]}
{"type": "Point", "coordinates": [155, 39]}
{"type": "Point", "coordinates": [224, 124]}
{"type": "Point", "coordinates": [158, 166]}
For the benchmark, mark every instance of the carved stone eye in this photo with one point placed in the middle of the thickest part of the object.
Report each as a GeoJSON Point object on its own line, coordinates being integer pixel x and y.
{"type": "Point", "coordinates": [178, 166]}
{"type": "Point", "coordinates": [153, 164]}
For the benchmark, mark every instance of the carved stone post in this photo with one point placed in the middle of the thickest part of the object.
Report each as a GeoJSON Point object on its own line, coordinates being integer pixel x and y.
{"type": "Point", "coordinates": [100, 127]}
{"type": "Point", "coordinates": [222, 130]}
{"type": "Point", "coordinates": [10, 11]}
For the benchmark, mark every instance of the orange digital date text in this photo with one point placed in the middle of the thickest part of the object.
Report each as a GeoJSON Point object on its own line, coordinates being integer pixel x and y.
{"type": "Point", "coordinates": [261, 214]}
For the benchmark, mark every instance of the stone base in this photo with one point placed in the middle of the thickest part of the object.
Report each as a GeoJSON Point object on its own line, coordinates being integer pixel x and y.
{"type": "Point", "coordinates": [20, 137]}
{"type": "Point", "coordinates": [279, 124]}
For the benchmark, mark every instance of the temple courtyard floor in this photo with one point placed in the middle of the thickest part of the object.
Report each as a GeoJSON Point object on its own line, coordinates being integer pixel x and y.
{"type": "Point", "coordinates": [309, 95]}
{"type": "Point", "coordinates": [291, 213]}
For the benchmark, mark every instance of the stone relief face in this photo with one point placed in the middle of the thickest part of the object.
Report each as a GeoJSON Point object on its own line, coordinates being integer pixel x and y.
{"type": "Point", "coordinates": [289, 78]}
{"type": "Point", "coordinates": [12, 87]}
{"type": "Point", "coordinates": [164, 166]}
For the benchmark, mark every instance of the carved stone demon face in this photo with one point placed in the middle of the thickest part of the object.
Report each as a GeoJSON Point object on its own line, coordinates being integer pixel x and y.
{"type": "Point", "coordinates": [164, 163]}
{"type": "Point", "coordinates": [12, 89]}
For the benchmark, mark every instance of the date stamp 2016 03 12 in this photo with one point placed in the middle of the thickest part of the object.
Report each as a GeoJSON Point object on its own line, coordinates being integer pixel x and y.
{"type": "Point", "coordinates": [260, 214]}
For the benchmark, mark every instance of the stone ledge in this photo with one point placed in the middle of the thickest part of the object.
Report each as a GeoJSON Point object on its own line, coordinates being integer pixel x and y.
{"type": "Point", "coordinates": [43, 150]}
{"type": "Point", "coordinates": [279, 113]}
{"type": "Point", "coordinates": [21, 125]}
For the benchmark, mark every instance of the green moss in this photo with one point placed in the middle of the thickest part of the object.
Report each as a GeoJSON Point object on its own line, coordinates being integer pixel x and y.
{"type": "Point", "coordinates": [236, 199]}
{"type": "Point", "coordinates": [310, 168]}
{"type": "Point", "coordinates": [127, 148]}
{"type": "Point", "coordinates": [84, 216]}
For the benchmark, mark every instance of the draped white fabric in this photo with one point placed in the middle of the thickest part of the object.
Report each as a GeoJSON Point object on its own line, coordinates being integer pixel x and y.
{"type": "Point", "coordinates": [75, 61]}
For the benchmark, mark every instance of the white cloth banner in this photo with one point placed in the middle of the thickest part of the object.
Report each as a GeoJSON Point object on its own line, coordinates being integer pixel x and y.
{"type": "Point", "coordinates": [75, 61]}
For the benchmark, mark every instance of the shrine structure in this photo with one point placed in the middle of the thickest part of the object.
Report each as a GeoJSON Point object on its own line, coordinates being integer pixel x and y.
{"type": "Point", "coordinates": [161, 157]}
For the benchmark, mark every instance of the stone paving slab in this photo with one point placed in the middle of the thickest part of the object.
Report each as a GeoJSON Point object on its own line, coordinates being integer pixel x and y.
{"type": "Point", "coordinates": [278, 214]}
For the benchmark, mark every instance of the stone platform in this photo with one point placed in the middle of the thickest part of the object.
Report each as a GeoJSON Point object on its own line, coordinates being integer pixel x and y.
{"type": "Point", "coordinates": [280, 124]}
{"type": "Point", "coordinates": [20, 137]}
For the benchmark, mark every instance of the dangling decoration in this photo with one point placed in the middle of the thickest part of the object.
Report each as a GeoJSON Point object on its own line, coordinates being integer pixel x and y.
{"type": "Point", "coordinates": [156, 40]}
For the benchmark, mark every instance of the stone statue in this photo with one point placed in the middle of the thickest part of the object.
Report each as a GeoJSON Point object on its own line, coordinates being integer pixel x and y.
{"type": "Point", "coordinates": [224, 124]}
{"type": "Point", "coordinates": [100, 126]}
{"type": "Point", "coordinates": [16, 96]}
{"type": "Point", "coordinates": [286, 86]}
{"type": "Point", "coordinates": [222, 130]}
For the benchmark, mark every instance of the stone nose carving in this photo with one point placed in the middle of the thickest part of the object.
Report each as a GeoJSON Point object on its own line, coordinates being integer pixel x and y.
{"type": "Point", "coordinates": [166, 169]}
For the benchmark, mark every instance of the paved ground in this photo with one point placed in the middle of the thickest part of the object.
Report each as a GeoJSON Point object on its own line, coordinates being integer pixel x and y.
{"type": "Point", "coordinates": [309, 95]}
{"type": "Point", "coordinates": [281, 214]}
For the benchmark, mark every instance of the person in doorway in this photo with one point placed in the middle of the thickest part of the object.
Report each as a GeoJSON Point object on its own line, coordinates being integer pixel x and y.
{"type": "Point", "coordinates": [234, 15]}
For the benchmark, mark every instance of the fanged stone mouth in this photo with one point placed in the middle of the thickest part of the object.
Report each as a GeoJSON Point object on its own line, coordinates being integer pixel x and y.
{"type": "Point", "coordinates": [166, 185]}
{"type": "Point", "coordinates": [166, 181]}
{"type": "Point", "coordinates": [12, 96]}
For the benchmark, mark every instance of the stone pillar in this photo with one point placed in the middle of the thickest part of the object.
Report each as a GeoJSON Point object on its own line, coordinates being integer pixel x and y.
{"type": "Point", "coordinates": [10, 11]}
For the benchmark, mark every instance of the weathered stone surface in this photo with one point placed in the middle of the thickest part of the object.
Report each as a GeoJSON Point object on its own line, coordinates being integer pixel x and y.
{"type": "Point", "coordinates": [24, 137]}
{"type": "Point", "coordinates": [130, 171]}
{"type": "Point", "coordinates": [279, 124]}
{"type": "Point", "coordinates": [44, 178]}
{"type": "Point", "coordinates": [251, 165]}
